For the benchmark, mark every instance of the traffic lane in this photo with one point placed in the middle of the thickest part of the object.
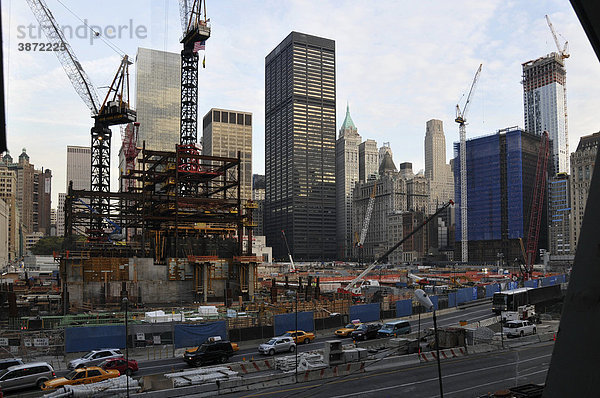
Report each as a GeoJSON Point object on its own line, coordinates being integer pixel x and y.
{"type": "Point", "coordinates": [467, 376]}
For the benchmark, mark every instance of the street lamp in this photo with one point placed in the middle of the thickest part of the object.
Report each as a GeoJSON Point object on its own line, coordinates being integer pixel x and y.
{"type": "Point", "coordinates": [425, 301]}
{"type": "Point", "coordinates": [126, 303]}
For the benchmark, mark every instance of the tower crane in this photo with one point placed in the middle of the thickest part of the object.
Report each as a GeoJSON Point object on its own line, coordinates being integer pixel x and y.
{"type": "Point", "coordinates": [537, 204]}
{"type": "Point", "coordinates": [114, 110]}
{"type": "Point", "coordinates": [365, 227]}
{"type": "Point", "coordinates": [564, 51]}
{"type": "Point", "coordinates": [461, 119]}
{"type": "Point", "coordinates": [292, 266]}
{"type": "Point", "coordinates": [195, 33]}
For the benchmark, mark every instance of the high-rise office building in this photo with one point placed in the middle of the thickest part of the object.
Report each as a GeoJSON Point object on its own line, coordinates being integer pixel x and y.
{"type": "Point", "coordinates": [368, 163]}
{"type": "Point", "coordinates": [383, 150]}
{"type": "Point", "coordinates": [559, 215]}
{"type": "Point", "coordinates": [79, 166]}
{"type": "Point", "coordinates": [158, 98]}
{"type": "Point", "coordinates": [300, 147]}
{"type": "Point", "coordinates": [24, 172]}
{"type": "Point", "coordinates": [224, 133]}
{"type": "Point", "coordinates": [545, 101]}
{"type": "Point", "coordinates": [439, 174]}
{"type": "Point", "coordinates": [346, 170]}
{"type": "Point", "coordinates": [4, 223]}
{"type": "Point", "coordinates": [501, 171]}
{"type": "Point", "coordinates": [8, 193]}
{"type": "Point", "coordinates": [582, 169]}
{"type": "Point", "coordinates": [60, 215]}
{"type": "Point", "coordinates": [42, 200]}
{"type": "Point", "coordinates": [258, 195]}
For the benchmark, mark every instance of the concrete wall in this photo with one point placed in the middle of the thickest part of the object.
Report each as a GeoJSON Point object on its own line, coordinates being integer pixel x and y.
{"type": "Point", "coordinates": [4, 211]}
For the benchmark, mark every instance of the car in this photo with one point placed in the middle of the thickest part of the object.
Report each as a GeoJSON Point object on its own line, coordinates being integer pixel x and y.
{"type": "Point", "coordinates": [346, 330]}
{"type": "Point", "coordinates": [366, 331]}
{"type": "Point", "coordinates": [300, 336]}
{"type": "Point", "coordinates": [7, 363]}
{"type": "Point", "coordinates": [87, 375]}
{"type": "Point", "coordinates": [121, 365]}
{"type": "Point", "coordinates": [214, 350]}
{"type": "Point", "coordinates": [95, 357]}
{"type": "Point", "coordinates": [518, 328]}
{"type": "Point", "coordinates": [277, 344]}
{"type": "Point", "coordinates": [25, 375]}
{"type": "Point", "coordinates": [394, 329]}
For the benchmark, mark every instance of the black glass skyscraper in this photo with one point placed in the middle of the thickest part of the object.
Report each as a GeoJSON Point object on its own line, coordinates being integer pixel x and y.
{"type": "Point", "coordinates": [300, 147]}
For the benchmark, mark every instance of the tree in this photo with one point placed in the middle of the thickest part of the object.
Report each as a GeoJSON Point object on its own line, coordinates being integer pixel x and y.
{"type": "Point", "coordinates": [47, 245]}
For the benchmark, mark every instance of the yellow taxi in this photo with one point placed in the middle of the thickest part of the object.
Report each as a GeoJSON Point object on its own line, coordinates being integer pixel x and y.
{"type": "Point", "coordinates": [92, 374]}
{"type": "Point", "coordinates": [349, 328]}
{"type": "Point", "coordinates": [300, 336]}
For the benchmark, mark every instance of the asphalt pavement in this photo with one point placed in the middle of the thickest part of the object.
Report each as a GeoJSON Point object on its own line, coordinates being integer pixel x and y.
{"type": "Point", "coordinates": [469, 376]}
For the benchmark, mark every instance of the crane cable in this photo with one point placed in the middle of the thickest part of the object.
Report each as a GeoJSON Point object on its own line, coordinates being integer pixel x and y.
{"type": "Point", "coordinates": [113, 46]}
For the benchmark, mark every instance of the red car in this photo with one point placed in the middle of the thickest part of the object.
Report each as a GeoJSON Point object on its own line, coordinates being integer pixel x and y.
{"type": "Point", "coordinates": [120, 364]}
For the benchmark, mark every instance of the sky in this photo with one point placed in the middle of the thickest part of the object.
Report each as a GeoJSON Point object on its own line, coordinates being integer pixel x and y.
{"type": "Point", "coordinates": [398, 65]}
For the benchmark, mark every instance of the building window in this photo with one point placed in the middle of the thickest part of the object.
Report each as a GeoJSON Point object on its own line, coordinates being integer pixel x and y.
{"type": "Point", "coordinates": [248, 121]}
{"type": "Point", "coordinates": [217, 116]}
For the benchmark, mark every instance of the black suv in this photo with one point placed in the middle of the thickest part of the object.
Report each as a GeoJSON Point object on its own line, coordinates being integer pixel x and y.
{"type": "Point", "coordinates": [366, 331]}
{"type": "Point", "coordinates": [209, 352]}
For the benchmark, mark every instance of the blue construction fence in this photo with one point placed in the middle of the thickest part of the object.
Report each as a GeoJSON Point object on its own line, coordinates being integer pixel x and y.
{"type": "Point", "coordinates": [365, 312]}
{"type": "Point", "coordinates": [193, 335]}
{"type": "Point", "coordinates": [78, 339]}
{"type": "Point", "coordinates": [285, 322]}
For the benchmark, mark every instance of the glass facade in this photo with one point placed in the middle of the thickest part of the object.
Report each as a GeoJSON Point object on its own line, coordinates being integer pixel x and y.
{"type": "Point", "coordinates": [158, 98]}
{"type": "Point", "coordinates": [300, 147]}
{"type": "Point", "coordinates": [500, 179]}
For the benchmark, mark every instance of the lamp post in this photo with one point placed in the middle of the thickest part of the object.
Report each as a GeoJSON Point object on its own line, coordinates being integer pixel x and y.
{"type": "Point", "coordinates": [126, 303]}
{"type": "Point", "coordinates": [425, 301]}
{"type": "Point", "coordinates": [296, 332]}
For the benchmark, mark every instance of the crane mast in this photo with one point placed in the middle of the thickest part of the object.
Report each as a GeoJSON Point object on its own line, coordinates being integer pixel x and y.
{"type": "Point", "coordinates": [564, 52]}
{"type": "Point", "coordinates": [461, 120]}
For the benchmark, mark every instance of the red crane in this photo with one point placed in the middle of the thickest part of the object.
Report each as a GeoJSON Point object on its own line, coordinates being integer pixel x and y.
{"type": "Point", "coordinates": [537, 205]}
{"type": "Point", "coordinates": [129, 136]}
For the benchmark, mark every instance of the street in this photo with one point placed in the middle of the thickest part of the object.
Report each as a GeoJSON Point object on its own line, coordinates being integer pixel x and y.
{"type": "Point", "coordinates": [462, 377]}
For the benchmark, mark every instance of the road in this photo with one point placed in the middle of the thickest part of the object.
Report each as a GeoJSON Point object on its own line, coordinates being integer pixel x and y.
{"type": "Point", "coordinates": [471, 314]}
{"type": "Point", "coordinates": [469, 376]}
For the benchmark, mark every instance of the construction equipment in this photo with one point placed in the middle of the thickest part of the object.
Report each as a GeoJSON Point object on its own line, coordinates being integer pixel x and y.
{"type": "Point", "coordinates": [349, 288]}
{"type": "Point", "coordinates": [537, 204]}
{"type": "Point", "coordinates": [292, 266]}
{"type": "Point", "coordinates": [195, 33]}
{"type": "Point", "coordinates": [114, 110]}
{"type": "Point", "coordinates": [462, 120]}
{"type": "Point", "coordinates": [365, 227]}
{"type": "Point", "coordinates": [564, 51]}
{"type": "Point", "coordinates": [129, 135]}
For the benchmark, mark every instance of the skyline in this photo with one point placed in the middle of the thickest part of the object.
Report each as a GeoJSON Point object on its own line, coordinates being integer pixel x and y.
{"type": "Point", "coordinates": [390, 99]}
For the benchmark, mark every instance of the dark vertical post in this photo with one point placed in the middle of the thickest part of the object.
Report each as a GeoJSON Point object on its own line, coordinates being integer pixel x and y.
{"type": "Point", "coordinates": [437, 354]}
{"type": "Point", "coordinates": [296, 332]}
{"type": "Point", "coordinates": [126, 302]}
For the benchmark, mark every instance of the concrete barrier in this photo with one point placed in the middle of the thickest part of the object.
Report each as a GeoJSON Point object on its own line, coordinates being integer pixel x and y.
{"type": "Point", "coordinates": [339, 370]}
{"type": "Point", "coordinates": [547, 336]}
{"type": "Point", "coordinates": [393, 361]}
{"type": "Point", "coordinates": [252, 366]}
{"type": "Point", "coordinates": [481, 348]}
{"type": "Point", "coordinates": [444, 354]}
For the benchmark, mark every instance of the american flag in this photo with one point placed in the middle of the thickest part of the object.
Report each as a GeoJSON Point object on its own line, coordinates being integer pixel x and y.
{"type": "Point", "coordinates": [199, 45]}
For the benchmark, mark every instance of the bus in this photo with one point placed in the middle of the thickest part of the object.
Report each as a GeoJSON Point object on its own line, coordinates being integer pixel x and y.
{"type": "Point", "coordinates": [510, 300]}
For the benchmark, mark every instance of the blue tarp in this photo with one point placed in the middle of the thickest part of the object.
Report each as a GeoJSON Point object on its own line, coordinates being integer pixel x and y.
{"type": "Point", "coordinates": [451, 300]}
{"type": "Point", "coordinates": [194, 335]}
{"type": "Point", "coordinates": [403, 308]}
{"type": "Point", "coordinates": [561, 278]}
{"type": "Point", "coordinates": [285, 322]}
{"type": "Point", "coordinates": [474, 292]}
{"type": "Point", "coordinates": [491, 289]}
{"type": "Point", "coordinates": [464, 295]}
{"type": "Point", "coordinates": [531, 283]}
{"type": "Point", "coordinates": [79, 339]}
{"type": "Point", "coordinates": [365, 312]}
{"type": "Point", "coordinates": [434, 300]}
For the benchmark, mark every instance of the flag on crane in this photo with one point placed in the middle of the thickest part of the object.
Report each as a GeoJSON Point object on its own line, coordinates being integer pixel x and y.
{"type": "Point", "coordinates": [199, 45]}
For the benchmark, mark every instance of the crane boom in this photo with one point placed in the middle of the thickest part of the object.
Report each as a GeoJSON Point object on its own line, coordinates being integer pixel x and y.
{"type": "Point", "coordinates": [79, 79]}
{"type": "Point", "coordinates": [397, 245]}
{"type": "Point", "coordinates": [461, 117]}
{"type": "Point", "coordinates": [365, 226]}
{"type": "Point", "coordinates": [564, 52]}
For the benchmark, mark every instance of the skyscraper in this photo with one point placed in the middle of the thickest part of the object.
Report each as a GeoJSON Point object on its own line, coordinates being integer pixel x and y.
{"type": "Point", "coordinates": [545, 102]}
{"type": "Point", "coordinates": [42, 200]}
{"type": "Point", "coordinates": [8, 192]}
{"type": "Point", "coordinates": [439, 174]}
{"type": "Point", "coordinates": [346, 170]}
{"type": "Point", "coordinates": [368, 163]}
{"type": "Point", "coordinates": [79, 166]}
{"type": "Point", "coordinates": [158, 98]}
{"type": "Point", "coordinates": [224, 133]}
{"type": "Point", "coordinates": [559, 215]}
{"type": "Point", "coordinates": [385, 148]}
{"type": "Point", "coordinates": [24, 172]}
{"type": "Point", "coordinates": [582, 169]}
{"type": "Point", "coordinates": [501, 171]}
{"type": "Point", "coordinates": [300, 147]}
